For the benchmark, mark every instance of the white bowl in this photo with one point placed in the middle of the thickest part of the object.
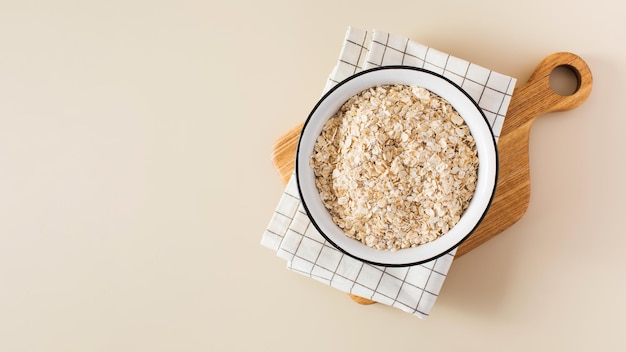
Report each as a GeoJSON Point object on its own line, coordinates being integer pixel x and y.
{"type": "Point", "coordinates": [332, 101]}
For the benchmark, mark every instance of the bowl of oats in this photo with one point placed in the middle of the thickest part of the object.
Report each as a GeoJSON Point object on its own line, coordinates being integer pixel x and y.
{"type": "Point", "coordinates": [396, 166]}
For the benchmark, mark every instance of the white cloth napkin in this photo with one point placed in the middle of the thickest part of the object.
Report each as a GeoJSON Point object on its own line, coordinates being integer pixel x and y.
{"type": "Point", "coordinates": [413, 289]}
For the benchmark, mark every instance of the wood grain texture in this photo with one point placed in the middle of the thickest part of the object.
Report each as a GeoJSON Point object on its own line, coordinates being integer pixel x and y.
{"type": "Point", "coordinates": [512, 195]}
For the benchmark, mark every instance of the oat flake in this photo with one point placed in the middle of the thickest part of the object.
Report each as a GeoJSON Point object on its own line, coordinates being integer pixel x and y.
{"type": "Point", "coordinates": [396, 166]}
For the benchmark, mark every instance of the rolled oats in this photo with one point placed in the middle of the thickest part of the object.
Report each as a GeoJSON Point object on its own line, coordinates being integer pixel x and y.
{"type": "Point", "coordinates": [396, 166]}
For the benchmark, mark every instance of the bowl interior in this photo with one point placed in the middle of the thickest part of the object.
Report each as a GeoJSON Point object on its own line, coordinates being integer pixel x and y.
{"type": "Point", "coordinates": [332, 101]}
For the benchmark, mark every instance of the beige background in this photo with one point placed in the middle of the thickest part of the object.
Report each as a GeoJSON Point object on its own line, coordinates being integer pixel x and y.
{"type": "Point", "coordinates": [135, 179]}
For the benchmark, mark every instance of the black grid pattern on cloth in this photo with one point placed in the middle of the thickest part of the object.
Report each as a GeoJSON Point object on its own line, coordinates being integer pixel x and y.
{"type": "Point", "coordinates": [351, 57]}
{"type": "Point", "coordinates": [491, 90]}
{"type": "Point", "coordinates": [290, 233]}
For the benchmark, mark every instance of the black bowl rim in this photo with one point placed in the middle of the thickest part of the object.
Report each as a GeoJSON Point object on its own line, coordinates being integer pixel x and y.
{"type": "Point", "coordinates": [325, 96]}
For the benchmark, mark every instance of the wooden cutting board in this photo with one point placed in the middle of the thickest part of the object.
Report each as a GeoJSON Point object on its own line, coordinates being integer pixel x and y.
{"type": "Point", "coordinates": [534, 98]}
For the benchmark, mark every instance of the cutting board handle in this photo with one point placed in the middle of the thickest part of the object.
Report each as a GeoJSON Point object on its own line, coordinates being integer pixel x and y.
{"type": "Point", "coordinates": [538, 90]}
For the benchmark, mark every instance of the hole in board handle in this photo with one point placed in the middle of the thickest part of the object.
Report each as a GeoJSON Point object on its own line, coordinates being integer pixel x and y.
{"type": "Point", "coordinates": [565, 80]}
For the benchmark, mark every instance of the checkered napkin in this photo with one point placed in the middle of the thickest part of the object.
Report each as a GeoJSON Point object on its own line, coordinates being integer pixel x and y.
{"type": "Point", "coordinates": [413, 289]}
